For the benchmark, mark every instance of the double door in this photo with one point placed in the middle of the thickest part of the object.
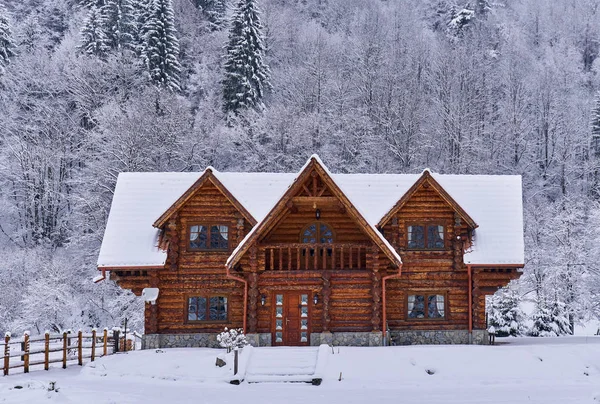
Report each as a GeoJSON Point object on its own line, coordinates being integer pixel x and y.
{"type": "Point", "coordinates": [291, 321]}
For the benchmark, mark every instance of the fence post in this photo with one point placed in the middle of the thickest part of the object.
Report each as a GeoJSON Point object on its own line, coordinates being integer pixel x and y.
{"type": "Point", "coordinates": [116, 337]}
{"type": "Point", "coordinates": [6, 352]}
{"type": "Point", "coordinates": [47, 351]}
{"type": "Point", "coordinates": [80, 348]}
{"type": "Point", "coordinates": [105, 350]}
{"type": "Point", "coordinates": [64, 358]}
{"type": "Point", "coordinates": [93, 344]}
{"type": "Point", "coordinates": [235, 361]}
{"type": "Point", "coordinates": [26, 350]}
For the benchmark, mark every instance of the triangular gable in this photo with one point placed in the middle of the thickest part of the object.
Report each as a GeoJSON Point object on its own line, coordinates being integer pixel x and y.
{"type": "Point", "coordinates": [210, 176]}
{"type": "Point", "coordinates": [427, 177]}
{"type": "Point", "coordinates": [313, 163]}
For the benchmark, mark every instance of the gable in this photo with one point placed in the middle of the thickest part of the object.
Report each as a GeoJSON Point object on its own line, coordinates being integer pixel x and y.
{"type": "Point", "coordinates": [310, 187]}
{"type": "Point", "coordinates": [427, 196]}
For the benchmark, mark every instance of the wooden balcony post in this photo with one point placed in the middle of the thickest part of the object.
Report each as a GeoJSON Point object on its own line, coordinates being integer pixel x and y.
{"type": "Point", "coordinates": [326, 292]}
{"type": "Point", "coordinates": [80, 348]}
{"type": "Point", "coordinates": [252, 302]}
{"type": "Point", "coordinates": [26, 352]}
{"type": "Point", "coordinates": [6, 353]}
{"type": "Point", "coordinates": [47, 350]}
{"type": "Point", "coordinates": [289, 258]}
{"type": "Point", "coordinates": [93, 356]}
{"type": "Point", "coordinates": [64, 351]}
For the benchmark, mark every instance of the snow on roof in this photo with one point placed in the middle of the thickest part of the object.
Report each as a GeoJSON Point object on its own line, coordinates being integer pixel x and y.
{"type": "Point", "coordinates": [493, 201]}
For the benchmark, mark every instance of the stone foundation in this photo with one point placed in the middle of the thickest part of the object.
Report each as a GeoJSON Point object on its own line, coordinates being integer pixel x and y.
{"type": "Point", "coordinates": [257, 340]}
{"type": "Point", "coordinates": [480, 337]}
{"type": "Point", "coordinates": [198, 340]}
{"type": "Point", "coordinates": [347, 338]}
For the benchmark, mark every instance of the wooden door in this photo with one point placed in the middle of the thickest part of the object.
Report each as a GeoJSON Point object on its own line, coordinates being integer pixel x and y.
{"type": "Point", "coordinates": [291, 319]}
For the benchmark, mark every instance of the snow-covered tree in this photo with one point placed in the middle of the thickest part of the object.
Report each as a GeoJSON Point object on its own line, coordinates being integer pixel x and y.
{"type": "Point", "coordinates": [504, 313]}
{"type": "Point", "coordinates": [460, 19]}
{"type": "Point", "coordinates": [232, 339]}
{"type": "Point", "coordinates": [161, 46]}
{"type": "Point", "coordinates": [7, 46]}
{"type": "Point", "coordinates": [550, 319]}
{"type": "Point", "coordinates": [93, 38]}
{"type": "Point", "coordinates": [246, 74]}
{"type": "Point", "coordinates": [119, 23]}
{"type": "Point", "coordinates": [595, 141]}
{"type": "Point", "coordinates": [214, 11]}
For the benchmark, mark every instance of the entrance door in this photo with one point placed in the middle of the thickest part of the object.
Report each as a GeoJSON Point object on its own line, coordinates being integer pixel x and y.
{"type": "Point", "coordinates": [290, 318]}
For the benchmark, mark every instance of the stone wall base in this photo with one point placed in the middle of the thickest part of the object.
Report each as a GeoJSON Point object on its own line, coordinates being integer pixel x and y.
{"type": "Point", "coordinates": [197, 340]}
{"type": "Point", "coordinates": [447, 337]}
{"type": "Point", "coordinates": [347, 338]}
{"type": "Point", "coordinates": [257, 340]}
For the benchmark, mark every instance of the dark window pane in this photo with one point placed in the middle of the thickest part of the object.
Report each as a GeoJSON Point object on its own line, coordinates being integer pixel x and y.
{"type": "Point", "coordinates": [435, 306]}
{"type": "Point", "coordinates": [416, 306]}
{"type": "Point", "coordinates": [218, 237]}
{"type": "Point", "coordinates": [218, 308]}
{"type": "Point", "coordinates": [326, 234]}
{"type": "Point", "coordinates": [201, 308]}
{"type": "Point", "coordinates": [435, 237]}
{"type": "Point", "coordinates": [198, 235]}
{"type": "Point", "coordinates": [192, 309]}
{"type": "Point", "coordinates": [310, 234]}
{"type": "Point", "coordinates": [416, 237]}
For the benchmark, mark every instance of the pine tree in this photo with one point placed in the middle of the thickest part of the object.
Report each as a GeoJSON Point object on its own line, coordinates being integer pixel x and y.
{"type": "Point", "coordinates": [214, 11]}
{"type": "Point", "coordinates": [549, 320]}
{"type": "Point", "coordinates": [7, 45]}
{"type": "Point", "coordinates": [119, 23]}
{"type": "Point", "coordinates": [505, 315]}
{"type": "Point", "coordinates": [161, 46]}
{"type": "Point", "coordinates": [460, 19]}
{"type": "Point", "coordinates": [93, 39]}
{"type": "Point", "coordinates": [246, 74]}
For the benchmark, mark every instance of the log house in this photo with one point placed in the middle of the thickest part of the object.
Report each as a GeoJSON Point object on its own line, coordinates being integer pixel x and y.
{"type": "Point", "coordinates": [314, 257]}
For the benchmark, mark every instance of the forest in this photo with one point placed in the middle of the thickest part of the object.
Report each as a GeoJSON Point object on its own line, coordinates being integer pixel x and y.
{"type": "Point", "coordinates": [92, 88]}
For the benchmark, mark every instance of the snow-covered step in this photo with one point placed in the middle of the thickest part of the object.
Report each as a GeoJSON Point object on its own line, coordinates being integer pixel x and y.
{"type": "Point", "coordinates": [285, 364]}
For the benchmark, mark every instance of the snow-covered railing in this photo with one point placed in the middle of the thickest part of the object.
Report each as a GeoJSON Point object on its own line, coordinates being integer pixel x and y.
{"type": "Point", "coordinates": [62, 348]}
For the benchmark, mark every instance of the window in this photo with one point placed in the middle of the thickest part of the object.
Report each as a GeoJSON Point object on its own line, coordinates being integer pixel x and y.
{"type": "Point", "coordinates": [201, 308]}
{"type": "Point", "coordinates": [426, 237]}
{"type": "Point", "coordinates": [211, 237]}
{"type": "Point", "coordinates": [431, 306]}
{"type": "Point", "coordinates": [317, 233]}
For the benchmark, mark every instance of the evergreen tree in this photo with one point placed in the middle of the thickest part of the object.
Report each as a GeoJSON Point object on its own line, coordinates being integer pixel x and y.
{"type": "Point", "coordinates": [460, 19]}
{"type": "Point", "coordinates": [214, 11]}
{"type": "Point", "coordinates": [246, 74]}
{"type": "Point", "coordinates": [549, 320]}
{"type": "Point", "coordinates": [119, 22]}
{"type": "Point", "coordinates": [93, 39]}
{"type": "Point", "coordinates": [7, 45]}
{"type": "Point", "coordinates": [505, 315]}
{"type": "Point", "coordinates": [161, 46]}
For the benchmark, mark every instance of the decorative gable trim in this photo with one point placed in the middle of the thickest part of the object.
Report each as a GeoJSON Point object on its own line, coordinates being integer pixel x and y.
{"type": "Point", "coordinates": [207, 175]}
{"type": "Point", "coordinates": [428, 178]}
{"type": "Point", "coordinates": [314, 163]}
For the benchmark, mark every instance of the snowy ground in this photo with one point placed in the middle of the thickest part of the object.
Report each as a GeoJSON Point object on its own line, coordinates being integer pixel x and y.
{"type": "Point", "coordinates": [519, 370]}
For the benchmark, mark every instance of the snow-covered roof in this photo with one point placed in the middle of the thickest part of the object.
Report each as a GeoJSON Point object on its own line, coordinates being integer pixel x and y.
{"type": "Point", "coordinates": [493, 201]}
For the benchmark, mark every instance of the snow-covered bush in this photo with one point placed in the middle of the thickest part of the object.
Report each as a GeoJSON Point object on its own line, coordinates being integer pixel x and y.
{"type": "Point", "coordinates": [549, 320]}
{"type": "Point", "coordinates": [505, 315]}
{"type": "Point", "coordinates": [232, 339]}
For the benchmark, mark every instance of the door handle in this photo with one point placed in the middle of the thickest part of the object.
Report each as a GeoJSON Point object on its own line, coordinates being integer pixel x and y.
{"type": "Point", "coordinates": [287, 321]}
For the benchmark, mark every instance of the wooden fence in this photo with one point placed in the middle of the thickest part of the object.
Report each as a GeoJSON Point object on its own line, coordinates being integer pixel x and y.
{"type": "Point", "coordinates": [27, 351]}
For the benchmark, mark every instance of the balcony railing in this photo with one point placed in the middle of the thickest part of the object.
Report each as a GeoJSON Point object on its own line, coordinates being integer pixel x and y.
{"type": "Point", "coordinates": [301, 256]}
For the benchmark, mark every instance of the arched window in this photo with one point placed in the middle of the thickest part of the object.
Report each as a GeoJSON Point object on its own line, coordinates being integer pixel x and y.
{"type": "Point", "coordinates": [317, 233]}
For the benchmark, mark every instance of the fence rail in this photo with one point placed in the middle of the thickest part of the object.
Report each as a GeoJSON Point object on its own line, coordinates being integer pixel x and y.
{"type": "Point", "coordinates": [62, 348]}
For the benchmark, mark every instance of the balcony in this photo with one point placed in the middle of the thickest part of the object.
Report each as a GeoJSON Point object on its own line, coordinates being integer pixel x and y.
{"type": "Point", "coordinates": [302, 256]}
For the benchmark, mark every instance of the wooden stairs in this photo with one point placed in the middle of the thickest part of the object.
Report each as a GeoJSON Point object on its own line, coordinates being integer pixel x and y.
{"type": "Point", "coordinates": [284, 364]}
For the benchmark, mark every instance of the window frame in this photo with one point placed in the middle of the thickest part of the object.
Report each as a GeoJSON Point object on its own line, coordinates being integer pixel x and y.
{"type": "Point", "coordinates": [207, 297]}
{"type": "Point", "coordinates": [427, 294]}
{"type": "Point", "coordinates": [318, 236]}
{"type": "Point", "coordinates": [208, 235]}
{"type": "Point", "coordinates": [426, 226]}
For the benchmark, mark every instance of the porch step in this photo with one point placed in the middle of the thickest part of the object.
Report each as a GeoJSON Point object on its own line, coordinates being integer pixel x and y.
{"type": "Point", "coordinates": [282, 364]}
